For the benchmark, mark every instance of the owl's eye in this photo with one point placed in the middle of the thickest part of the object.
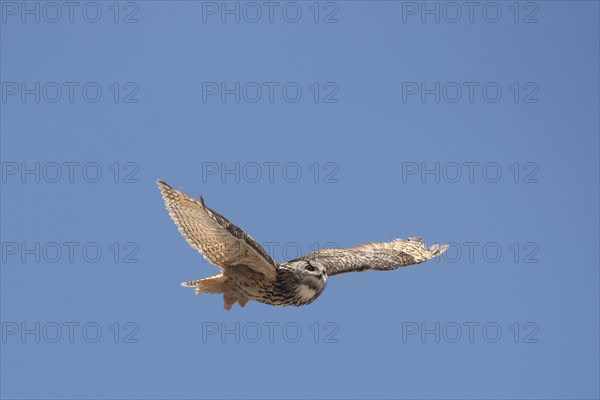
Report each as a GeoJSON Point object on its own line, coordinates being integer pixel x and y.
{"type": "Point", "coordinates": [309, 268]}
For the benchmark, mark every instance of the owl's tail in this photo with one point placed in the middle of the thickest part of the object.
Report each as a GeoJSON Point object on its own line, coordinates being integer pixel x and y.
{"type": "Point", "coordinates": [217, 284]}
{"type": "Point", "coordinates": [212, 284]}
{"type": "Point", "coordinates": [191, 283]}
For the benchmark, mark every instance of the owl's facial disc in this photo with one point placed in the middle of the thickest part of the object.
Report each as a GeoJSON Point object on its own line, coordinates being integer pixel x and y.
{"type": "Point", "coordinates": [314, 270]}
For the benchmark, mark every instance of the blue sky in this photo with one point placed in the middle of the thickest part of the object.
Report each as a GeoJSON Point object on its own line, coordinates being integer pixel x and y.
{"type": "Point", "coordinates": [308, 125]}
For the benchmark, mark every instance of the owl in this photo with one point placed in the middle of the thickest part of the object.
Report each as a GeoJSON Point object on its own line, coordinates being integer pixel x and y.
{"type": "Point", "coordinates": [249, 273]}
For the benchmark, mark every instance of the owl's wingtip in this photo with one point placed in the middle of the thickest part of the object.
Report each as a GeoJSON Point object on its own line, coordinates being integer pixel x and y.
{"type": "Point", "coordinates": [437, 250]}
{"type": "Point", "coordinates": [162, 183]}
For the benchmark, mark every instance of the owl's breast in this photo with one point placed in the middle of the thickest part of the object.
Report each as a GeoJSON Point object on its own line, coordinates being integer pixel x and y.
{"type": "Point", "coordinates": [286, 290]}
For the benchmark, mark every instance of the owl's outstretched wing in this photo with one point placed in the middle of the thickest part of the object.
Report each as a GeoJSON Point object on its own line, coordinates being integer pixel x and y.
{"type": "Point", "coordinates": [375, 256]}
{"type": "Point", "coordinates": [218, 240]}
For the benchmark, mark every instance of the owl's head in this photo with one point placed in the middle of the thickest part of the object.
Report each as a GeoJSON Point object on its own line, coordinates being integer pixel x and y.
{"type": "Point", "coordinates": [311, 273]}
{"type": "Point", "coordinates": [305, 280]}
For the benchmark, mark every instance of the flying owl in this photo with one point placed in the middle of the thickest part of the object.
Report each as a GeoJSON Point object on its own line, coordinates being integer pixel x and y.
{"type": "Point", "coordinates": [249, 273]}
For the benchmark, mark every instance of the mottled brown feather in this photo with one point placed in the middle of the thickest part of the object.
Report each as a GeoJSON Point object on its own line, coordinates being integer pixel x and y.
{"type": "Point", "coordinates": [375, 256]}
{"type": "Point", "coordinates": [218, 240]}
